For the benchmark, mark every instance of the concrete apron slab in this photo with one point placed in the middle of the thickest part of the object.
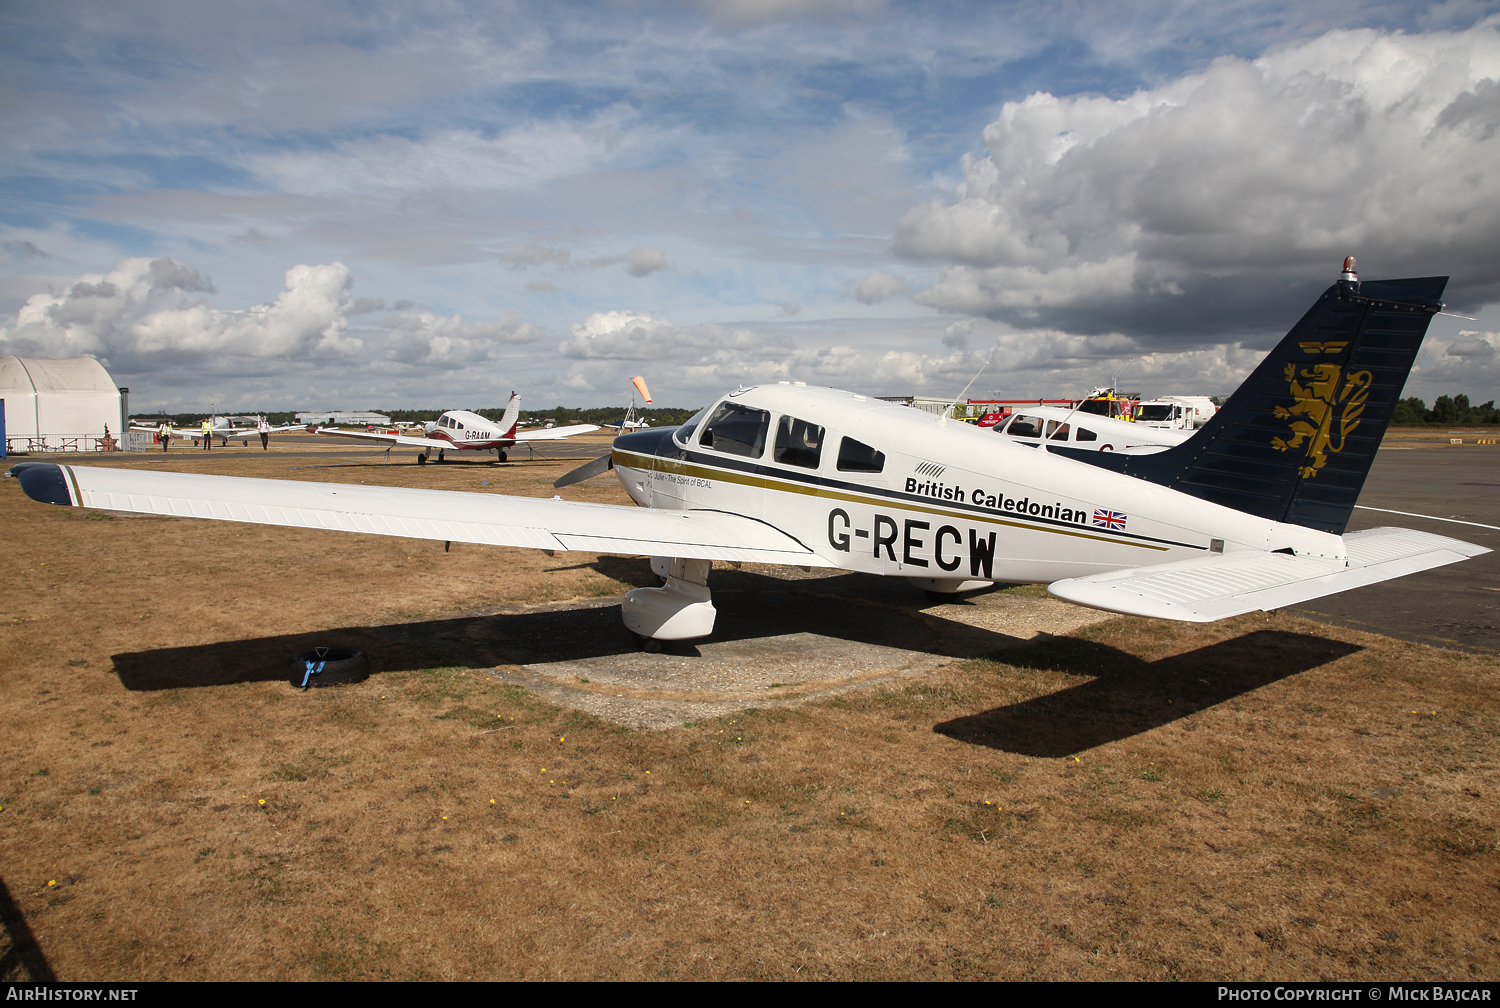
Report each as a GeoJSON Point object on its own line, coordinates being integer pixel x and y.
{"type": "Point", "coordinates": [783, 638]}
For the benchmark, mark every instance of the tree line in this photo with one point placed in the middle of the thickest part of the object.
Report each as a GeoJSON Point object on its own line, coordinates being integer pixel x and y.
{"type": "Point", "coordinates": [1449, 411]}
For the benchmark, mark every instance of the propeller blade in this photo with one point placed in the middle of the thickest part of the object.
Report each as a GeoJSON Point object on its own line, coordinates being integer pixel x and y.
{"type": "Point", "coordinates": [604, 463]}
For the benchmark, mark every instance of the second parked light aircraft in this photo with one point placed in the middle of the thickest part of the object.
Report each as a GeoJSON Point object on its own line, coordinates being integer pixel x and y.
{"type": "Point", "coordinates": [461, 430]}
{"type": "Point", "coordinates": [1247, 514]}
{"type": "Point", "coordinates": [1082, 431]}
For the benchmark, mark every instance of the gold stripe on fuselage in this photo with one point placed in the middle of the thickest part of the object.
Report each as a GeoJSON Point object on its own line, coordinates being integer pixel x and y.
{"type": "Point", "coordinates": [655, 463]}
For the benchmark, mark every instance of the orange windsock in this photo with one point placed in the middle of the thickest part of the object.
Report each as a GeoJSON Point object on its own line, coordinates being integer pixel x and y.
{"type": "Point", "coordinates": [640, 386]}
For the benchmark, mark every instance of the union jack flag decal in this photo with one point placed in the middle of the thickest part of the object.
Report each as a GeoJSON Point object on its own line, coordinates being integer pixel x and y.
{"type": "Point", "coordinates": [1109, 519]}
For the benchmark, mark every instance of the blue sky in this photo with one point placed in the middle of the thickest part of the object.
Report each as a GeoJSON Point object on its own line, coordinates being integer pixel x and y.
{"type": "Point", "coordinates": [351, 205]}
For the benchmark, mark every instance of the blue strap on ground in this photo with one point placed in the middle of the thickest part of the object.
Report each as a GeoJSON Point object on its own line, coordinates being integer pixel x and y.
{"type": "Point", "coordinates": [313, 668]}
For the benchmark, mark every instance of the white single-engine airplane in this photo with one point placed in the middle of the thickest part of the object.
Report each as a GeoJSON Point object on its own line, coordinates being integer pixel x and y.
{"type": "Point", "coordinates": [223, 429]}
{"type": "Point", "coordinates": [460, 430]}
{"type": "Point", "coordinates": [1247, 514]}
{"type": "Point", "coordinates": [1084, 431]}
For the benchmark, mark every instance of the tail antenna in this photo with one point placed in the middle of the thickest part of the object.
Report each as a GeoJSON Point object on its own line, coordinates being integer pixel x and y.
{"type": "Point", "coordinates": [947, 413]}
{"type": "Point", "coordinates": [1079, 404]}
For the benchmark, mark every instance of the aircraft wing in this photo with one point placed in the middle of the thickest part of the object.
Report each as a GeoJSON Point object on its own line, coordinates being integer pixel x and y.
{"type": "Point", "coordinates": [1218, 585]}
{"type": "Point", "coordinates": [387, 439]}
{"type": "Point", "coordinates": [488, 519]}
{"type": "Point", "coordinates": [555, 433]}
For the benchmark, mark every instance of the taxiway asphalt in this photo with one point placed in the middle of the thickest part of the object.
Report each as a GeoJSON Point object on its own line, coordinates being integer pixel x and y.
{"type": "Point", "coordinates": [1457, 606]}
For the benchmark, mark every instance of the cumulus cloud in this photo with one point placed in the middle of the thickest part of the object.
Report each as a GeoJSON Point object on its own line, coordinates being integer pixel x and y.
{"type": "Point", "coordinates": [691, 364]}
{"type": "Point", "coordinates": [878, 286]}
{"type": "Point", "coordinates": [145, 315]}
{"type": "Point", "coordinates": [1473, 344]}
{"type": "Point", "coordinates": [1230, 193]}
{"type": "Point", "coordinates": [625, 335]}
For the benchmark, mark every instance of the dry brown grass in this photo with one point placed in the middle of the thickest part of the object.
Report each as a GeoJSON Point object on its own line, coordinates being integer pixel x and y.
{"type": "Point", "coordinates": [1260, 798]}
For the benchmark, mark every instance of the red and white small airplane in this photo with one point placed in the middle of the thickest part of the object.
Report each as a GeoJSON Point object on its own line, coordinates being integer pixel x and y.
{"type": "Point", "coordinates": [461, 430]}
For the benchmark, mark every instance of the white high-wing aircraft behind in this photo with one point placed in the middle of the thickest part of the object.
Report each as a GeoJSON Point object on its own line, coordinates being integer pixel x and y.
{"type": "Point", "coordinates": [461, 430]}
{"type": "Point", "coordinates": [223, 429]}
{"type": "Point", "coordinates": [1247, 514]}
{"type": "Point", "coordinates": [1084, 431]}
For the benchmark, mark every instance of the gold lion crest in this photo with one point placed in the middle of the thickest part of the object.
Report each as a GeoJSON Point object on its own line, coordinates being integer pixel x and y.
{"type": "Point", "coordinates": [1325, 408]}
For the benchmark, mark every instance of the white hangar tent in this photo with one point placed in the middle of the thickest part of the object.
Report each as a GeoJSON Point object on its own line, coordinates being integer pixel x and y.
{"type": "Point", "coordinates": [59, 405]}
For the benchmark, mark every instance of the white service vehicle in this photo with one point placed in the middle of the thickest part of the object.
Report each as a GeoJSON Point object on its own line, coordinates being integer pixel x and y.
{"type": "Point", "coordinates": [1175, 412]}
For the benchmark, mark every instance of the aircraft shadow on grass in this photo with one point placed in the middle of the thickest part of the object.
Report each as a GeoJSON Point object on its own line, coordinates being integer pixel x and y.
{"type": "Point", "coordinates": [21, 958]}
{"type": "Point", "coordinates": [1129, 696]}
{"type": "Point", "coordinates": [856, 607]}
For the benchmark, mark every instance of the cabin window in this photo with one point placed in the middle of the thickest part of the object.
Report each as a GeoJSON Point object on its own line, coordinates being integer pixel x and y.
{"type": "Point", "coordinates": [798, 443]}
{"type": "Point", "coordinates": [685, 432]}
{"type": "Point", "coordinates": [1057, 431]}
{"type": "Point", "coordinates": [458, 425]}
{"type": "Point", "coordinates": [1025, 426]}
{"type": "Point", "coordinates": [736, 430]}
{"type": "Point", "coordinates": [1084, 434]}
{"type": "Point", "coordinates": [855, 456]}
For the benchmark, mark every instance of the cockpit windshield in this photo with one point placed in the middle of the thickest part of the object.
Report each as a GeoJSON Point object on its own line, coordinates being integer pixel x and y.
{"type": "Point", "coordinates": [685, 432]}
{"type": "Point", "coordinates": [736, 429]}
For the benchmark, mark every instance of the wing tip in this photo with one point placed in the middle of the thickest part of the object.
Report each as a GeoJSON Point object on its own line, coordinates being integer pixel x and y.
{"type": "Point", "coordinates": [43, 481]}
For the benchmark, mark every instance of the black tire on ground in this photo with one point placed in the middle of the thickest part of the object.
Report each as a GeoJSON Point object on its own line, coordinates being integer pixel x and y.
{"type": "Point", "coordinates": [340, 665]}
{"type": "Point", "coordinates": [504, 457]}
{"type": "Point", "coordinates": [421, 458]}
{"type": "Point", "coordinates": [440, 457]}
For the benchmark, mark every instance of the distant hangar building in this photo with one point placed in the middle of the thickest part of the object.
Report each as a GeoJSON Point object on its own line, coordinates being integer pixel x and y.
{"type": "Point", "coordinates": [59, 405]}
{"type": "Point", "coordinates": [334, 418]}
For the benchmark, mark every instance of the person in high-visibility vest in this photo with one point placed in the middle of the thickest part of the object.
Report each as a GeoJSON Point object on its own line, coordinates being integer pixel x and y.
{"type": "Point", "coordinates": [208, 434]}
{"type": "Point", "coordinates": [164, 432]}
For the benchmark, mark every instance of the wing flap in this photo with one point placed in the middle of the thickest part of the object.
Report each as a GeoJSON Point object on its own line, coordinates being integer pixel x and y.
{"type": "Point", "coordinates": [487, 519]}
{"type": "Point", "coordinates": [1220, 585]}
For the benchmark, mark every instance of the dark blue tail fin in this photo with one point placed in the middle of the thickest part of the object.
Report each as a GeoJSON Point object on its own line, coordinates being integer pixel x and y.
{"type": "Point", "coordinates": [1295, 442]}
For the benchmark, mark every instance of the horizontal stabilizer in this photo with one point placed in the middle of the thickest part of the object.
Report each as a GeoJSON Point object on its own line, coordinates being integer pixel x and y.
{"type": "Point", "coordinates": [1220, 585]}
{"type": "Point", "coordinates": [487, 519]}
{"type": "Point", "coordinates": [554, 433]}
